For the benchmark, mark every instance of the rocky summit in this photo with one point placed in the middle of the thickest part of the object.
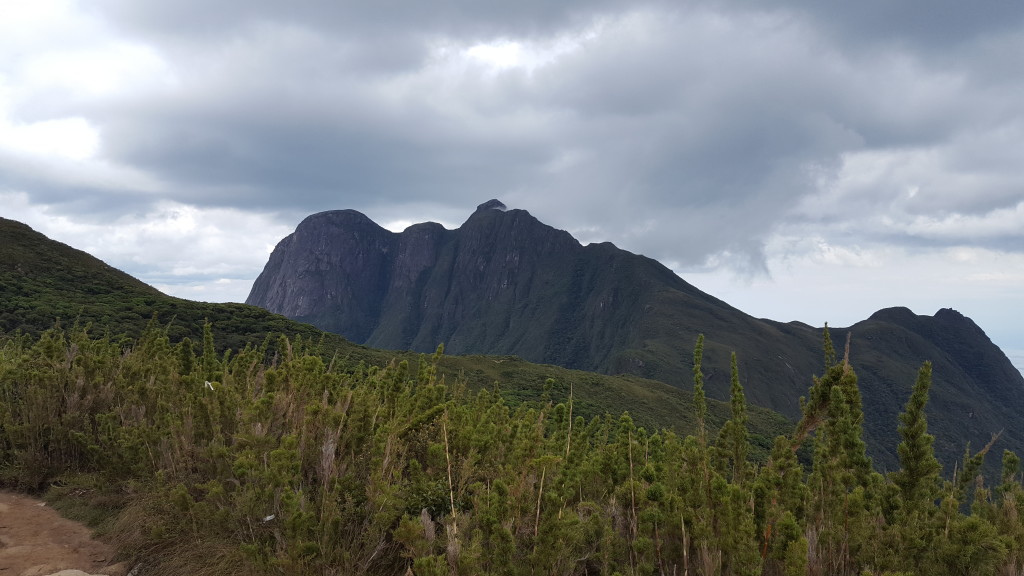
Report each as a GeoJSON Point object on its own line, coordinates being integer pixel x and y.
{"type": "Point", "coordinates": [505, 283]}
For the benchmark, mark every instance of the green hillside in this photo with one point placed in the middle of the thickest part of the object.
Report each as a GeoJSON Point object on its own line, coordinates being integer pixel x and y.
{"type": "Point", "coordinates": [43, 281]}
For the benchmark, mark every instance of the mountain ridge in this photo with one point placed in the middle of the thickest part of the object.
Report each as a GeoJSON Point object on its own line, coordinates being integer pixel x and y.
{"type": "Point", "coordinates": [505, 283]}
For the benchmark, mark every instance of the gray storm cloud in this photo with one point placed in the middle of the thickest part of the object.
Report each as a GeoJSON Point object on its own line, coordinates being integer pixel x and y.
{"type": "Point", "coordinates": [684, 131]}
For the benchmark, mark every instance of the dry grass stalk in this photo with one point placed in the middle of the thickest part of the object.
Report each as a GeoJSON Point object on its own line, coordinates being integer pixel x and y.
{"type": "Point", "coordinates": [710, 560]}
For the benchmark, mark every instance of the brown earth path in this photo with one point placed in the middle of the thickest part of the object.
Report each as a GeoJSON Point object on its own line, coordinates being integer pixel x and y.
{"type": "Point", "coordinates": [36, 541]}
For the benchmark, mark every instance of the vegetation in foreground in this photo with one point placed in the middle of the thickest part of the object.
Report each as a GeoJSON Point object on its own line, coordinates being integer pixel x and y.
{"type": "Point", "coordinates": [271, 460]}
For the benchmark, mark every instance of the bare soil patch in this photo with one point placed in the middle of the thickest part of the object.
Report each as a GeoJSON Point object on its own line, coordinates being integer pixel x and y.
{"type": "Point", "coordinates": [35, 541]}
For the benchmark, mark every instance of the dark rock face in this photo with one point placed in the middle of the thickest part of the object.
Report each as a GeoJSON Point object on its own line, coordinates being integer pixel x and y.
{"type": "Point", "coordinates": [331, 269]}
{"type": "Point", "coordinates": [426, 285]}
{"type": "Point", "coordinates": [504, 283]}
{"type": "Point", "coordinates": [492, 205]}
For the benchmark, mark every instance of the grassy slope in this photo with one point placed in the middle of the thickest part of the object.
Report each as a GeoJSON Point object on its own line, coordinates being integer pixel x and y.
{"type": "Point", "coordinates": [42, 281]}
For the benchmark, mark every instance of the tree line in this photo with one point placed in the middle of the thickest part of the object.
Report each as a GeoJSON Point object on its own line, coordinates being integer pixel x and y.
{"type": "Point", "coordinates": [275, 459]}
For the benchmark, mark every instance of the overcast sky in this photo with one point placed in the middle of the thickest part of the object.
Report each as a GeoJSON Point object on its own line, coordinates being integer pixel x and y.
{"type": "Point", "coordinates": [804, 161]}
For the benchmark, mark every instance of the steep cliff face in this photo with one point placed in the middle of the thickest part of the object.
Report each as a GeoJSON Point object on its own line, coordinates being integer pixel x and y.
{"type": "Point", "coordinates": [330, 273]}
{"type": "Point", "coordinates": [505, 283]}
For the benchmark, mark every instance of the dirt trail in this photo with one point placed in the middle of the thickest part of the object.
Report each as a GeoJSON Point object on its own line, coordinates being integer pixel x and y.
{"type": "Point", "coordinates": [36, 541]}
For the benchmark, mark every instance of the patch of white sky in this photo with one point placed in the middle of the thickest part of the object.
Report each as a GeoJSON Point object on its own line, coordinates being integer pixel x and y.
{"type": "Point", "coordinates": [503, 54]}
{"type": "Point", "coordinates": [814, 281]}
{"type": "Point", "coordinates": [52, 47]}
{"type": "Point", "coordinates": [509, 54]}
{"type": "Point", "coordinates": [998, 222]}
{"type": "Point", "coordinates": [400, 225]}
{"type": "Point", "coordinates": [71, 137]}
{"type": "Point", "coordinates": [397, 225]}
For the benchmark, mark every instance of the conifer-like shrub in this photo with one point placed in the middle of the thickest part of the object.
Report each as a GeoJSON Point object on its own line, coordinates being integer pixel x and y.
{"type": "Point", "coordinates": [275, 460]}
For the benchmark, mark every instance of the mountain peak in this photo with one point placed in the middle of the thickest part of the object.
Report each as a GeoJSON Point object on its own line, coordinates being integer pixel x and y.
{"type": "Point", "coordinates": [952, 316]}
{"type": "Point", "coordinates": [896, 314]}
{"type": "Point", "coordinates": [492, 204]}
{"type": "Point", "coordinates": [336, 219]}
{"type": "Point", "coordinates": [506, 283]}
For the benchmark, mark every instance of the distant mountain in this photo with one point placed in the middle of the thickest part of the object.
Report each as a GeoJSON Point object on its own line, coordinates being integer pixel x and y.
{"type": "Point", "coordinates": [43, 281]}
{"type": "Point", "coordinates": [505, 283]}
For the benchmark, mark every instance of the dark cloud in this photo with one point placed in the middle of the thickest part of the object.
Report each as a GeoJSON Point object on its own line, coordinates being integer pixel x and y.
{"type": "Point", "coordinates": [473, 20]}
{"type": "Point", "coordinates": [683, 131]}
{"type": "Point", "coordinates": [276, 131]}
{"type": "Point", "coordinates": [935, 24]}
{"type": "Point", "coordinates": [924, 24]}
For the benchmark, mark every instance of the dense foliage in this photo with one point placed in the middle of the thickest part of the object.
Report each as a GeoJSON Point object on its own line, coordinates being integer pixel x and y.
{"type": "Point", "coordinates": [273, 460]}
